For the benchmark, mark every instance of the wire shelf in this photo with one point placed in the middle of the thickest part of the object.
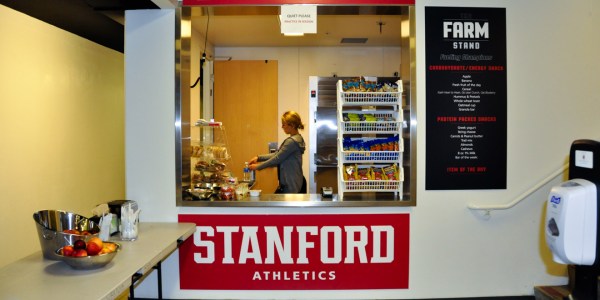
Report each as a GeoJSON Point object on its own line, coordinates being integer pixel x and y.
{"type": "Point", "coordinates": [372, 185]}
{"type": "Point", "coordinates": [372, 127]}
{"type": "Point", "coordinates": [370, 156]}
{"type": "Point", "coordinates": [370, 98]}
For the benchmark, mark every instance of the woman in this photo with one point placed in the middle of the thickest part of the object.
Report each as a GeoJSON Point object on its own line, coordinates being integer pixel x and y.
{"type": "Point", "coordinates": [288, 158]}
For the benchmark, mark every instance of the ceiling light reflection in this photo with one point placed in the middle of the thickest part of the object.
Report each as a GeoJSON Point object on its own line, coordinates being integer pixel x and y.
{"type": "Point", "coordinates": [327, 123]}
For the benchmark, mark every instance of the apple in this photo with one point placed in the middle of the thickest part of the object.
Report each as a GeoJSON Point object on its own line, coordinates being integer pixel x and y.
{"type": "Point", "coordinates": [67, 250]}
{"type": "Point", "coordinates": [80, 253]}
{"type": "Point", "coordinates": [79, 244]}
{"type": "Point", "coordinates": [93, 248]}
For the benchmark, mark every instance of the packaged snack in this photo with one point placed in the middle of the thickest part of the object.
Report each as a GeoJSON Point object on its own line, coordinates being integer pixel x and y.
{"type": "Point", "coordinates": [388, 87]}
{"type": "Point", "coordinates": [369, 118]}
{"type": "Point", "coordinates": [217, 165]}
{"type": "Point", "coordinates": [201, 165]}
{"type": "Point", "coordinates": [227, 192]}
{"type": "Point", "coordinates": [376, 146]}
{"type": "Point", "coordinates": [197, 177]}
{"type": "Point", "coordinates": [377, 173]}
{"type": "Point", "coordinates": [368, 86]}
{"type": "Point", "coordinates": [351, 85]}
{"type": "Point", "coordinates": [363, 174]}
{"type": "Point", "coordinates": [349, 173]}
{"type": "Point", "coordinates": [390, 172]}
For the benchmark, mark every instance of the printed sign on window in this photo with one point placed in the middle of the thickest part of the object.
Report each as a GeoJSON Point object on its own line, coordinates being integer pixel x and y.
{"type": "Point", "coordinates": [295, 252]}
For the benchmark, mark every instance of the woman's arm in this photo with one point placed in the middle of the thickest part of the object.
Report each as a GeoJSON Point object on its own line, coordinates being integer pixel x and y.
{"type": "Point", "coordinates": [273, 159]}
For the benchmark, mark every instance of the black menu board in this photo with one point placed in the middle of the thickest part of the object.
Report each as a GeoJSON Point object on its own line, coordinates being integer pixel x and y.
{"type": "Point", "coordinates": [465, 53]}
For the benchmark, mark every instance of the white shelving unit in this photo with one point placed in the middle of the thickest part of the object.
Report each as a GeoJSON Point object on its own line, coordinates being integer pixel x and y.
{"type": "Point", "coordinates": [373, 122]}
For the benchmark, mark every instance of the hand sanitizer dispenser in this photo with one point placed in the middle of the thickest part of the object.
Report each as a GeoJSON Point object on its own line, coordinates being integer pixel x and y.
{"type": "Point", "coordinates": [571, 222]}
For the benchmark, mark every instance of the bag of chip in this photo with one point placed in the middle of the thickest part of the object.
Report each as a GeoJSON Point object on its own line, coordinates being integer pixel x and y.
{"type": "Point", "coordinates": [349, 173]}
{"type": "Point", "coordinates": [391, 172]}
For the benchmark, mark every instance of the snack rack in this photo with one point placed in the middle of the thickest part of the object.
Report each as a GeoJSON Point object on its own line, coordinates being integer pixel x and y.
{"type": "Point", "coordinates": [369, 118]}
{"type": "Point", "coordinates": [210, 154]}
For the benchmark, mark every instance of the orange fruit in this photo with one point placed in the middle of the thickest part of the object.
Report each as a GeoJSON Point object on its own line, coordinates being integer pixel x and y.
{"type": "Point", "coordinates": [110, 247]}
{"type": "Point", "coordinates": [97, 241]}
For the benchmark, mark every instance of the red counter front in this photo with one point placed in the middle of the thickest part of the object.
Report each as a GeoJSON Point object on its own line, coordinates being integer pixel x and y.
{"type": "Point", "coordinates": [296, 252]}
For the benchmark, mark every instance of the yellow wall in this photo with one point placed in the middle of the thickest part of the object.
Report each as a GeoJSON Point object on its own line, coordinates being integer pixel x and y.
{"type": "Point", "coordinates": [61, 127]}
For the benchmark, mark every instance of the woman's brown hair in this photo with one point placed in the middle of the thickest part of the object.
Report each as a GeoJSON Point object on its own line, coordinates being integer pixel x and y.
{"type": "Point", "coordinates": [293, 119]}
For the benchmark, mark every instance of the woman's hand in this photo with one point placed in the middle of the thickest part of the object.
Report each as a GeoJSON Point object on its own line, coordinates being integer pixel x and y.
{"type": "Point", "coordinates": [253, 166]}
{"type": "Point", "coordinates": [254, 160]}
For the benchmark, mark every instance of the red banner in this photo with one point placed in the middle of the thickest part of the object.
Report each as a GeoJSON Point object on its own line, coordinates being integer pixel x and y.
{"type": "Point", "coordinates": [283, 2]}
{"type": "Point", "coordinates": [295, 252]}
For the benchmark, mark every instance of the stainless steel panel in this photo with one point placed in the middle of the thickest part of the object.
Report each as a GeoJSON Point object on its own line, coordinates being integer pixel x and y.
{"type": "Point", "coordinates": [326, 127]}
{"type": "Point", "coordinates": [304, 200]}
{"type": "Point", "coordinates": [182, 98]}
{"type": "Point", "coordinates": [327, 92]}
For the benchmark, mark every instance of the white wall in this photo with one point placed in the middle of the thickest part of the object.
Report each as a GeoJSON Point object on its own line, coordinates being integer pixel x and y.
{"type": "Point", "coordinates": [454, 252]}
{"type": "Point", "coordinates": [551, 65]}
{"type": "Point", "coordinates": [150, 112]}
{"type": "Point", "coordinates": [551, 102]}
{"type": "Point", "coordinates": [61, 127]}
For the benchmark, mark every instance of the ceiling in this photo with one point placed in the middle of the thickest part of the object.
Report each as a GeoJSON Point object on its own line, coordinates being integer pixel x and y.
{"type": "Point", "coordinates": [251, 26]}
{"type": "Point", "coordinates": [102, 21]}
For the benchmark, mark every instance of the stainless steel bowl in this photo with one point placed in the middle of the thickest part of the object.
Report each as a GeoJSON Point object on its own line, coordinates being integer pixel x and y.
{"type": "Point", "coordinates": [202, 194]}
{"type": "Point", "coordinates": [88, 262]}
{"type": "Point", "coordinates": [51, 225]}
{"type": "Point", "coordinates": [204, 185]}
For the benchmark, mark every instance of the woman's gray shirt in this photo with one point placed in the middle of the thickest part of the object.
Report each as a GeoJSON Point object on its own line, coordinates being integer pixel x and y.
{"type": "Point", "coordinates": [289, 159]}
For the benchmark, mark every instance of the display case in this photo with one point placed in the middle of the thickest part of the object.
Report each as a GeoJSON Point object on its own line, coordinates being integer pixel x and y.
{"type": "Point", "coordinates": [370, 143]}
{"type": "Point", "coordinates": [210, 155]}
{"type": "Point", "coordinates": [209, 160]}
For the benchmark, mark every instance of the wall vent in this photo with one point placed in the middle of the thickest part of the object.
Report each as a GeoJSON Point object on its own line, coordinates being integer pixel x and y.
{"type": "Point", "coordinates": [354, 40]}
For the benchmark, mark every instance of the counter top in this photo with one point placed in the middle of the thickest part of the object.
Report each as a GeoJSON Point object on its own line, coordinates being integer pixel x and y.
{"type": "Point", "coordinates": [34, 277]}
{"type": "Point", "coordinates": [306, 200]}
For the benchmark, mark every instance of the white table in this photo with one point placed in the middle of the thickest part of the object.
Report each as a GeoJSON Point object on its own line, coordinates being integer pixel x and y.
{"type": "Point", "coordinates": [35, 277]}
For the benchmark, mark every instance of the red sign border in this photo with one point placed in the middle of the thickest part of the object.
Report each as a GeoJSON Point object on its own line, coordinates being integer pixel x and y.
{"type": "Point", "coordinates": [399, 282]}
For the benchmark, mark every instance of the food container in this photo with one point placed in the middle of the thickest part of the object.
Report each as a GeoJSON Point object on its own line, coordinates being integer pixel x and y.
{"type": "Point", "coordinates": [116, 207]}
{"type": "Point", "coordinates": [255, 193]}
{"type": "Point", "coordinates": [88, 262]}
{"type": "Point", "coordinates": [227, 192]}
{"type": "Point", "coordinates": [129, 222]}
{"type": "Point", "coordinates": [51, 225]}
{"type": "Point", "coordinates": [241, 191]}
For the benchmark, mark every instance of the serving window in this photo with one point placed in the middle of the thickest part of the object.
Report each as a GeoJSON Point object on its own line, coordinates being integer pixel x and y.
{"type": "Point", "coordinates": [210, 166]}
